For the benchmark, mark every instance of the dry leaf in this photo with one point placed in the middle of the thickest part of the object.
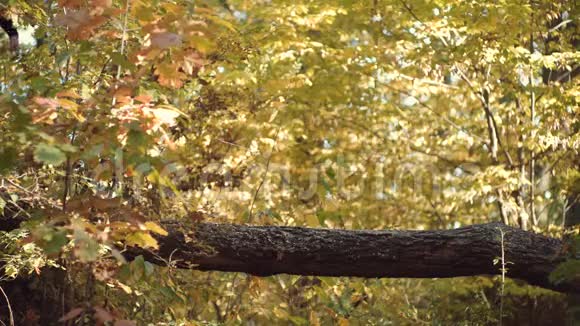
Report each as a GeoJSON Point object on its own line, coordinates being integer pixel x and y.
{"type": "Point", "coordinates": [169, 75]}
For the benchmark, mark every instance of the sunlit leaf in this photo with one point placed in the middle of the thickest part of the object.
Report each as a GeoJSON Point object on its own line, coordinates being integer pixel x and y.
{"type": "Point", "coordinates": [141, 239]}
{"type": "Point", "coordinates": [154, 227]}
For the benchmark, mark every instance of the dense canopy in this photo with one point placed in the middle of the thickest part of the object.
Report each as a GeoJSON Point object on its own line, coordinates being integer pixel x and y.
{"type": "Point", "coordinates": [145, 143]}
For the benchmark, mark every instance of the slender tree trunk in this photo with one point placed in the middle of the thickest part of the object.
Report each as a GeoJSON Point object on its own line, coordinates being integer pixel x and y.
{"type": "Point", "coordinates": [572, 219]}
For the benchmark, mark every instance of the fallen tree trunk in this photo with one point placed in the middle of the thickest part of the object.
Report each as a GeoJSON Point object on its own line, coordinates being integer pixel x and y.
{"type": "Point", "coordinates": [269, 250]}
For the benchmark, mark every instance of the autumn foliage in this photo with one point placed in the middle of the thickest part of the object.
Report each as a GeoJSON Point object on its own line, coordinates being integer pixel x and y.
{"type": "Point", "coordinates": [118, 115]}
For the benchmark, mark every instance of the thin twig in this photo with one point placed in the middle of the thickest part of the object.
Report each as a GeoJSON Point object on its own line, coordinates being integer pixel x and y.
{"type": "Point", "coordinates": [429, 108]}
{"type": "Point", "coordinates": [17, 186]}
{"type": "Point", "coordinates": [230, 143]}
{"type": "Point", "coordinates": [122, 50]}
{"type": "Point", "coordinates": [503, 272]}
{"type": "Point", "coordinates": [9, 307]}
{"type": "Point", "coordinates": [68, 174]}
{"type": "Point", "coordinates": [250, 216]}
{"type": "Point", "coordinates": [410, 11]}
{"type": "Point", "coordinates": [532, 118]}
{"type": "Point", "coordinates": [549, 169]}
{"type": "Point", "coordinates": [427, 81]}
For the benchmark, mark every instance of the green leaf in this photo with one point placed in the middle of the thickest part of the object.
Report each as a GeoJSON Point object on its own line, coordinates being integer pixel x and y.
{"type": "Point", "coordinates": [54, 243]}
{"type": "Point", "coordinates": [49, 154]}
{"type": "Point", "coordinates": [568, 270]}
{"type": "Point", "coordinates": [138, 268]}
{"type": "Point", "coordinates": [9, 157]}
{"type": "Point", "coordinates": [169, 293]}
{"type": "Point", "coordinates": [86, 247]}
{"type": "Point", "coordinates": [119, 59]}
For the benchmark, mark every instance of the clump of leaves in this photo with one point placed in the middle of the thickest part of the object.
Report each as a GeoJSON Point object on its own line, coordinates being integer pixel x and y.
{"type": "Point", "coordinates": [19, 257]}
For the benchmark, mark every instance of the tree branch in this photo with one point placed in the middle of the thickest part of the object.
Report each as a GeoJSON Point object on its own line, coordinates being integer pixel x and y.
{"type": "Point", "coordinates": [269, 250]}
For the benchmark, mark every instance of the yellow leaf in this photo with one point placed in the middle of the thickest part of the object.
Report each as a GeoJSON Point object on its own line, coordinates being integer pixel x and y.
{"type": "Point", "coordinates": [222, 22]}
{"type": "Point", "coordinates": [153, 227]}
{"type": "Point", "coordinates": [313, 319]}
{"type": "Point", "coordinates": [71, 107]}
{"type": "Point", "coordinates": [68, 93]}
{"type": "Point", "coordinates": [141, 239]}
{"type": "Point", "coordinates": [312, 220]}
{"type": "Point", "coordinates": [125, 288]}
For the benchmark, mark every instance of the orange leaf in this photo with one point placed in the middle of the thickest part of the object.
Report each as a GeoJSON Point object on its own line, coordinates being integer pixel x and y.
{"type": "Point", "coordinates": [68, 93]}
{"type": "Point", "coordinates": [102, 3]}
{"type": "Point", "coordinates": [169, 75]}
{"type": "Point", "coordinates": [144, 98]}
{"type": "Point", "coordinates": [123, 95]}
{"type": "Point", "coordinates": [70, 3]}
{"type": "Point", "coordinates": [80, 23]}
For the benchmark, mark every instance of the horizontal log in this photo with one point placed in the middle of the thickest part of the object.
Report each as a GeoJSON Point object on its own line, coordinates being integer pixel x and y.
{"type": "Point", "coordinates": [270, 250]}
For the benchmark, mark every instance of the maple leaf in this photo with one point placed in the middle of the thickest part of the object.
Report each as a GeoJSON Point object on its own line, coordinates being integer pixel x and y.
{"type": "Point", "coordinates": [169, 75]}
{"type": "Point", "coordinates": [80, 23]}
{"type": "Point", "coordinates": [191, 62]}
{"type": "Point", "coordinates": [70, 3]}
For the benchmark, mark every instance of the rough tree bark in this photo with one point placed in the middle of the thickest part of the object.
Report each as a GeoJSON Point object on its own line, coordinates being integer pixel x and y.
{"type": "Point", "coordinates": [269, 250]}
